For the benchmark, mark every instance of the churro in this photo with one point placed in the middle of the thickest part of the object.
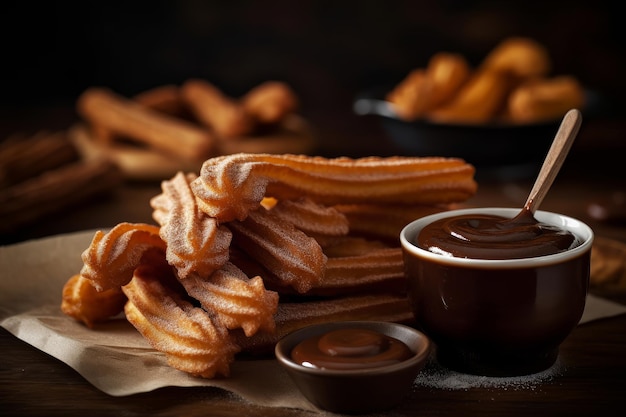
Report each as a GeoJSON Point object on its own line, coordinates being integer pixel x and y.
{"type": "Point", "coordinates": [230, 186]}
{"type": "Point", "coordinates": [522, 57]}
{"type": "Point", "coordinates": [409, 96]}
{"type": "Point", "coordinates": [236, 300]}
{"type": "Point", "coordinates": [28, 157]}
{"type": "Point", "coordinates": [544, 99]}
{"type": "Point", "coordinates": [312, 218]}
{"type": "Point", "coordinates": [294, 258]}
{"type": "Point", "coordinates": [216, 110]}
{"type": "Point", "coordinates": [270, 102]}
{"type": "Point", "coordinates": [56, 189]}
{"type": "Point", "coordinates": [192, 340]}
{"type": "Point", "coordinates": [196, 243]}
{"type": "Point", "coordinates": [84, 303]}
{"type": "Point", "coordinates": [479, 99]}
{"type": "Point", "coordinates": [128, 118]}
{"type": "Point", "coordinates": [111, 257]}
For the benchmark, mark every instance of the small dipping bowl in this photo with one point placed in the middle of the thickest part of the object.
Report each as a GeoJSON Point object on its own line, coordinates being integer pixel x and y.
{"type": "Point", "coordinates": [356, 391]}
{"type": "Point", "coordinates": [497, 317]}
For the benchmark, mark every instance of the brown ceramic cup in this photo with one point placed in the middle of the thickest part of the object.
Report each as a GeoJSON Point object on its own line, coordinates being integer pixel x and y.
{"type": "Point", "coordinates": [498, 317]}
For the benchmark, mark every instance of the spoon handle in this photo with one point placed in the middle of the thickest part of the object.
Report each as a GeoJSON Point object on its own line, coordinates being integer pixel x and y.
{"type": "Point", "coordinates": [554, 159]}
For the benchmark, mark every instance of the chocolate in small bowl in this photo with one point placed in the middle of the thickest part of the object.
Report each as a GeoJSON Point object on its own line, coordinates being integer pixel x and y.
{"type": "Point", "coordinates": [377, 385]}
{"type": "Point", "coordinates": [498, 317]}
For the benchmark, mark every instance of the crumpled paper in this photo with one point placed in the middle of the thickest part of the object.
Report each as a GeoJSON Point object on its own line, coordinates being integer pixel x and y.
{"type": "Point", "coordinates": [114, 357]}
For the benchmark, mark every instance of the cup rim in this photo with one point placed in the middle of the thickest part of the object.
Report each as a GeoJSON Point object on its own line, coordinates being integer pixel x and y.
{"type": "Point", "coordinates": [579, 228]}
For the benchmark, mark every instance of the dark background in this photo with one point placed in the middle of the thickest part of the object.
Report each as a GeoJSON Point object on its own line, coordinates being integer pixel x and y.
{"type": "Point", "coordinates": [328, 51]}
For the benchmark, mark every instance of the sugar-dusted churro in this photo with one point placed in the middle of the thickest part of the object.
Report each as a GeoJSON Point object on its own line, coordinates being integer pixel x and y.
{"type": "Point", "coordinates": [196, 243]}
{"type": "Point", "coordinates": [192, 340]}
{"type": "Point", "coordinates": [294, 258]}
{"type": "Point", "coordinates": [230, 186]}
{"type": "Point", "coordinates": [112, 256]}
{"type": "Point", "coordinates": [236, 300]}
{"type": "Point", "coordinates": [312, 218]}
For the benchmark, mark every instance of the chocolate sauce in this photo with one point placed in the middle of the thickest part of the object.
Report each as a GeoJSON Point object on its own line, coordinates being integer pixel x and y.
{"type": "Point", "coordinates": [485, 236]}
{"type": "Point", "coordinates": [348, 349]}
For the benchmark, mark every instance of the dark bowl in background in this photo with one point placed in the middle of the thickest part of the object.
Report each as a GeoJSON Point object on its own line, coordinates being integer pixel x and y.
{"type": "Point", "coordinates": [497, 150]}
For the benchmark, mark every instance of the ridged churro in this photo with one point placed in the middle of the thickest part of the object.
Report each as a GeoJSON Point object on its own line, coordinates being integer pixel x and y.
{"type": "Point", "coordinates": [196, 244]}
{"type": "Point", "coordinates": [236, 300]}
{"type": "Point", "coordinates": [312, 218]}
{"type": "Point", "coordinates": [111, 257]}
{"type": "Point", "coordinates": [230, 186]}
{"type": "Point", "coordinates": [294, 258]}
{"type": "Point", "coordinates": [192, 340]}
{"type": "Point", "coordinates": [84, 303]}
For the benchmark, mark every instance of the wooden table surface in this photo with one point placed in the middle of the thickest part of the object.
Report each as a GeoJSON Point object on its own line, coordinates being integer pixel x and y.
{"type": "Point", "coordinates": [33, 383]}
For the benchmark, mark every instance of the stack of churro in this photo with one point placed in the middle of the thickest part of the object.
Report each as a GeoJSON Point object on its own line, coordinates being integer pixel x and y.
{"type": "Point", "coordinates": [170, 127]}
{"type": "Point", "coordinates": [513, 84]}
{"type": "Point", "coordinates": [42, 174]}
{"type": "Point", "coordinates": [258, 245]}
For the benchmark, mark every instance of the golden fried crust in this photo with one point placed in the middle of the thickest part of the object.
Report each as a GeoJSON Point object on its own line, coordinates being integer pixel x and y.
{"type": "Point", "coordinates": [312, 218]}
{"type": "Point", "coordinates": [446, 73]}
{"type": "Point", "coordinates": [270, 102]}
{"type": "Point", "coordinates": [546, 99]}
{"type": "Point", "coordinates": [192, 340]}
{"type": "Point", "coordinates": [293, 257]}
{"type": "Point", "coordinates": [118, 115]}
{"type": "Point", "coordinates": [410, 96]}
{"type": "Point", "coordinates": [83, 302]}
{"type": "Point", "coordinates": [196, 243]}
{"type": "Point", "coordinates": [236, 300]}
{"type": "Point", "coordinates": [479, 99]}
{"type": "Point", "coordinates": [522, 57]}
{"type": "Point", "coordinates": [230, 186]}
{"type": "Point", "coordinates": [216, 110]}
{"type": "Point", "coordinates": [111, 258]}
{"type": "Point", "coordinates": [367, 219]}
{"type": "Point", "coordinates": [377, 270]}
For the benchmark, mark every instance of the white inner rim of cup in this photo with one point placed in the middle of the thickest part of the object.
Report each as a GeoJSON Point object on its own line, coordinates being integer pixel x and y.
{"type": "Point", "coordinates": [578, 228]}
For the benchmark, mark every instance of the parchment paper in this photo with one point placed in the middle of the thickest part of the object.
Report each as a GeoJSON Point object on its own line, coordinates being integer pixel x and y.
{"type": "Point", "coordinates": [114, 357]}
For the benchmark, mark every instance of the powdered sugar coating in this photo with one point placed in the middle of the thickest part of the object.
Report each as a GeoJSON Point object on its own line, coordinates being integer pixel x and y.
{"type": "Point", "coordinates": [236, 300]}
{"type": "Point", "coordinates": [196, 243]}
